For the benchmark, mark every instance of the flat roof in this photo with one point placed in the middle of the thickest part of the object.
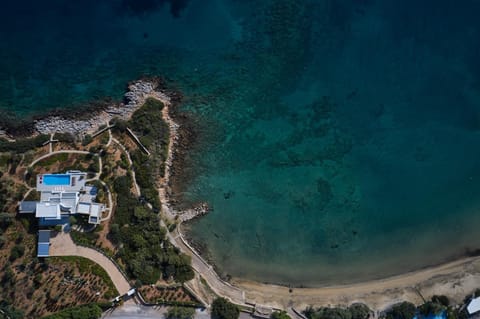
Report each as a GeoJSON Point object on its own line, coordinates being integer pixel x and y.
{"type": "Point", "coordinates": [43, 236]}
{"type": "Point", "coordinates": [96, 209]}
{"type": "Point", "coordinates": [47, 210]}
{"type": "Point", "coordinates": [27, 207]}
{"type": "Point", "coordinates": [43, 250]}
{"type": "Point", "coordinates": [83, 208]}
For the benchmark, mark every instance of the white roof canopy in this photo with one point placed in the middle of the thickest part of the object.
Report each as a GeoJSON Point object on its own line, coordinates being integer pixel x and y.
{"type": "Point", "coordinates": [474, 306]}
{"type": "Point", "coordinates": [48, 210]}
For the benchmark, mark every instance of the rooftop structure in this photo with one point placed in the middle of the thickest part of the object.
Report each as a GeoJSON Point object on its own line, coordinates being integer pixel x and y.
{"type": "Point", "coordinates": [43, 243]}
{"type": "Point", "coordinates": [62, 195]}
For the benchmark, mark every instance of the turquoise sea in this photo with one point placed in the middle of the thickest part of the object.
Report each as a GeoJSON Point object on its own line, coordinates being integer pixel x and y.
{"type": "Point", "coordinates": [338, 140]}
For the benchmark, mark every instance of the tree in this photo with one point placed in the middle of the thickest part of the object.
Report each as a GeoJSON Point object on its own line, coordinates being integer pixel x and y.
{"type": "Point", "coordinates": [87, 139]}
{"type": "Point", "coordinates": [8, 311]}
{"type": "Point", "coordinates": [120, 125]}
{"type": "Point", "coordinates": [114, 233]}
{"type": "Point", "coordinates": [332, 313]}
{"type": "Point", "coordinates": [5, 220]}
{"type": "Point", "coordinates": [90, 311]}
{"type": "Point", "coordinates": [431, 308]}
{"type": "Point", "coordinates": [8, 277]}
{"type": "Point", "coordinates": [72, 220]}
{"type": "Point", "coordinates": [17, 251]}
{"type": "Point", "coordinates": [404, 310]}
{"type": "Point", "coordinates": [180, 313]}
{"type": "Point", "coordinates": [184, 273]}
{"type": "Point", "coordinates": [223, 309]}
{"type": "Point", "coordinates": [440, 299]}
{"type": "Point", "coordinates": [359, 311]}
{"type": "Point", "coordinates": [279, 315]}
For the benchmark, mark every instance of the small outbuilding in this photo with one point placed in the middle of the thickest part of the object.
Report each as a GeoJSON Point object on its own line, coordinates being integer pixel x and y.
{"type": "Point", "coordinates": [43, 243]}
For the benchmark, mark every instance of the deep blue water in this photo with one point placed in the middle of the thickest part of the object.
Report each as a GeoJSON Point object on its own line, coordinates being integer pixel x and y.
{"type": "Point", "coordinates": [339, 140]}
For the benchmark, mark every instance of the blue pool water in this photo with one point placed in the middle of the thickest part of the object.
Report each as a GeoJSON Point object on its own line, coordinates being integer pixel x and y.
{"type": "Point", "coordinates": [56, 179]}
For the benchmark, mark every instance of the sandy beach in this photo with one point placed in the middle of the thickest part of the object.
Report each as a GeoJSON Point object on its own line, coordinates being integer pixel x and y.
{"type": "Point", "coordinates": [455, 280]}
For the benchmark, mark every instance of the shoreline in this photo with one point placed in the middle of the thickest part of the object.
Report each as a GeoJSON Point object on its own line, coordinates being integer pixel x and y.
{"type": "Point", "coordinates": [86, 119]}
{"type": "Point", "coordinates": [455, 278]}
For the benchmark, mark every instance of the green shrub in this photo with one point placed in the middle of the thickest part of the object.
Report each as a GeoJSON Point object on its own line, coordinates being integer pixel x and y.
{"type": "Point", "coordinates": [359, 311]}
{"type": "Point", "coordinates": [91, 311]}
{"type": "Point", "coordinates": [223, 309]}
{"type": "Point", "coordinates": [177, 312]}
{"type": "Point", "coordinates": [8, 311]}
{"type": "Point", "coordinates": [84, 239]}
{"type": "Point", "coordinates": [65, 137]}
{"type": "Point", "coordinates": [279, 315]}
{"type": "Point", "coordinates": [404, 310]}
{"type": "Point", "coordinates": [328, 313]}
{"type": "Point", "coordinates": [16, 252]}
{"type": "Point", "coordinates": [87, 139]}
{"type": "Point", "coordinates": [440, 299]}
{"type": "Point", "coordinates": [22, 145]}
{"type": "Point", "coordinates": [431, 308]}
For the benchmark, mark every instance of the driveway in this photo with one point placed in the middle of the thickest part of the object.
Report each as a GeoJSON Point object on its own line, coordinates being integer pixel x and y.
{"type": "Point", "coordinates": [63, 245]}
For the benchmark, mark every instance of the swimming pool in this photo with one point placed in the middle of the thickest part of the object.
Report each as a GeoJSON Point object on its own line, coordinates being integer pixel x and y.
{"type": "Point", "coordinates": [56, 179]}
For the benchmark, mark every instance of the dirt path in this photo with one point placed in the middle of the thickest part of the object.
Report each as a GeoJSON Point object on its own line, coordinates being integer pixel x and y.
{"type": "Point", "coordinates": [129, 159]}
{"type": "Point", "coordinates": [62, 245]}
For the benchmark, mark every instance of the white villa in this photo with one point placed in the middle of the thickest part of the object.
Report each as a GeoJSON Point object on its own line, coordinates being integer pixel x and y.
{"type": "Point", "coordinates": [62, 195]}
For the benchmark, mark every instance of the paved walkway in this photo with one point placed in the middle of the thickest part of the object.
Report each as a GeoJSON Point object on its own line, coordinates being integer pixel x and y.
{"type": "Point", "coordinates": [62, 245]}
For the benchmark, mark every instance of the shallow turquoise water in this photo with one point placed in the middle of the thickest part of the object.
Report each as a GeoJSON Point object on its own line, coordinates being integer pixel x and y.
{"type": "Point", "coordinates": [338, 140]}
{"type": "Point", "coordinates": [56, 179]}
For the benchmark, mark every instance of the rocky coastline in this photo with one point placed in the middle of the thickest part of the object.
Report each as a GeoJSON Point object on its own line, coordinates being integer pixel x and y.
{"type": "Point", "coordinates": [92, 118]}
{"type": "Point", "coordinates": [87, 119]}
{"type": "Point", "coordinates": [78, 127]}
{"type": "Point", "coordinates": [182, 136]}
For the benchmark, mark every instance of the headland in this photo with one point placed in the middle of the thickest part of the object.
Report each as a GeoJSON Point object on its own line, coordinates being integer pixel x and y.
{"type": "Point", "coordinates": [455, 279]}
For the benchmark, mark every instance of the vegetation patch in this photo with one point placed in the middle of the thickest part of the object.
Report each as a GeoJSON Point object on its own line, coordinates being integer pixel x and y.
{"type": "Point", "coordinates": [177, 312]}
{"type": "Point", "coordinates": [22, 145]}
{"type": "Point", "coordinates": [87, 266]}
{"type": "Point", "coordinates": [355, 311]}
{"type": "Point", "coordinates": [167, 295]}
{"type": "Point", "coordinates": [90, 311]}
{"type": "Point", "coordinates": [144, 247]}
{"type": "Point", "coordinates": [153, 132]}
{"type": "Point", "coordinates": [37, 287]}
{"type": "Point", "coordinates": [224, 309]}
